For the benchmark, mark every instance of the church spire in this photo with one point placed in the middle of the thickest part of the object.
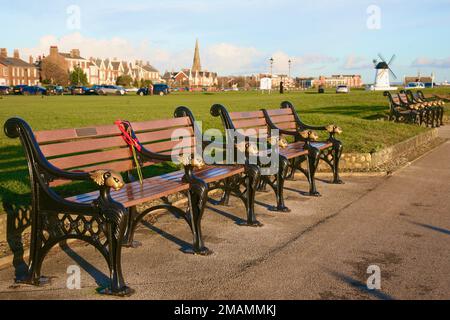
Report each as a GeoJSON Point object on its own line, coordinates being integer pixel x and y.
{"type": "Point", "coordinates": [197, 66]}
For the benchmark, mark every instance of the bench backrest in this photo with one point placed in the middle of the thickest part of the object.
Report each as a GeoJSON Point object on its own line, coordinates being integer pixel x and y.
{"type": "Point", "coordinates": [245, 121]}
{"type": "Point", "coordinates": [403, 98]}
{"type": "Point", "coordinates": [94, 148]}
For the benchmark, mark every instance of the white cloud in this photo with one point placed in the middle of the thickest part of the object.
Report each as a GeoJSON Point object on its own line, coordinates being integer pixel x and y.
{"type": "Point", "coordinates": [353, 62]}
{"type": "Point", "coordinates": [431, 63]}
{"type": "Point", "coordinates": [115, 47]}
{"type": "Point", "coordinates": [227, 58]}
{"type": "Point", "coordinates": [224, 58]}
{"type": "Point", "coordinates": [302, 63]}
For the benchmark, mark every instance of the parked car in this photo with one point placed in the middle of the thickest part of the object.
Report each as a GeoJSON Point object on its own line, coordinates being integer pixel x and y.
{"type": "Point", "coordinates": [4, 90]}
{"type": "Point", "coordinates": [55, 90]}
{"type": "Point", "coordinates": [131, 90]}
{"type": "Point", "coordinates": [29, 90]}
{"type": "Point", "coordinates": [342, 89]}
{"type": "Point", "coordinates": [77, 90]}
{"type": "Point", "coordinates": [158, 89]}
{"type": "Point", "coordinates": [321, 89]}
{"type": "Point", "coordinates": [111, 90]}
{"type": "Point", "coordinates": [415, 85]}
{"type": "Point", "coordinates": [92, 91]}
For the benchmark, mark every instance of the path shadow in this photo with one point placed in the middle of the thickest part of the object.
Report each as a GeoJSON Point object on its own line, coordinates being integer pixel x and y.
{"type": "Point", "coordinates": [184, 246]}
{"type": "Point", "coordinates": [367, 112]}
{"type": "Point", "coordinates": [18, 220]}
{"type": "Point", "coordinates": [430, 227]}
{"type": "Point", "coordinates": [362, 287]}
{"type": "Point", "coordinates": [302, 193]}
{"type": "Point", "coordinates": [227, 215]}
{"type": "Point", "coordinates": [264, 205]}
{"type": "Point", "coordinates": [100, 278]}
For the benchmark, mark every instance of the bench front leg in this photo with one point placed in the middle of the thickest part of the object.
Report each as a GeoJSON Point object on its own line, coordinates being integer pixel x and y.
{"type": "Point", "coordinates": [280, 180]}
{"type": "Point", "coordinates": [198, 197]}
{"type": "Point", "coordinates": [337, 154]}
{"type": "Point", "coordinates": [313, 163]}
{"type": "Point", "coordinates": [253, 178]}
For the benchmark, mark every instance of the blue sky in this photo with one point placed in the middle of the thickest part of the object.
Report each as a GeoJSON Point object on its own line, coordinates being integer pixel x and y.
{"type": "Point", "coordinates": [239, 36]}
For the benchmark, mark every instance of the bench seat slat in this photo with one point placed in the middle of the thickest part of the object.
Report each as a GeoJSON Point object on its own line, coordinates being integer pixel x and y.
{"type": "Point", "coordinates": [158, 187]}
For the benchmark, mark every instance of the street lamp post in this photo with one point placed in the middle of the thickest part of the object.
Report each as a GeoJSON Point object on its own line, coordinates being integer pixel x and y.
{"type": "Point", "coordinates": [271, 66]}
{"type": "Point", "coordinates": [78, 75]}
{"type": "Point", "coordinates": [290, 65]}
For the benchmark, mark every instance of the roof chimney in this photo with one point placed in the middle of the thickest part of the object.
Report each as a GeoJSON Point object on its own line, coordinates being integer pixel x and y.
{"type": "Point", "coordinates": [16, 54]}
{"type": "Point", "coordinates": [31, 60]}
{"type": "Point", "coordinates": [3, 53]}
{"type": "Point", "coordinates": [54, 51]}
{"type": "Point", "coordinates": [75, 53]}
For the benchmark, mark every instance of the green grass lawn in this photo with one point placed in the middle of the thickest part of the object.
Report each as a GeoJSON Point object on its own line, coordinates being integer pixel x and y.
{"type": "Point", "coordinates": [358, 113]}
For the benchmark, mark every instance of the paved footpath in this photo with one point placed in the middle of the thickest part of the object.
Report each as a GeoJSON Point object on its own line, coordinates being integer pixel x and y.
{"type": "Point", "coordinates": [321, 250]}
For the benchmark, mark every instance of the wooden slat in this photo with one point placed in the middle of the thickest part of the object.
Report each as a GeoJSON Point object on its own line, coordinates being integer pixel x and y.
{"type": "Point", "coordinates": [73, 134]}
{"type": "Point", "coordinates": [119, 166]}
{"type": "Point", "coordinates": [157, 187]}
{"type": "Point", "coordinates": [171, 145]}
{"type": "Point", "coordinates": [246, 115]}
{"type": "Point", "coordinates": [91, 158]}
{"type": "Point", "coordinates": [281, 119]}
{"type": "Point", "coordinates": [80, 146]}
{"type": "Point", "coordinates": [287, 126]}
{"type": "Point", "coordinates": [164, 135]}
{"type": "Point", "coordinates": [250, 123]}
{"type": "Point", "coordinates": [161, 124]}
{"type": "Point", "coordinates": [279, 112]}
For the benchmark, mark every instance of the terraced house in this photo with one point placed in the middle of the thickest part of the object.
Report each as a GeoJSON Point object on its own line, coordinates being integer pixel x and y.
{"type": "Point", "coordinates": [104, 71]}
{"type": "Point", "coordinates": [14, 71]}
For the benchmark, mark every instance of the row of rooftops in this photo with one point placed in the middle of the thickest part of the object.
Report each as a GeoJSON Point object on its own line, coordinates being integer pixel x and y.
{"type": "Point", "coordinates": [116, 64]}
{"type": "Point", "coordinates": [15, 60]}
{"type": "Point", "coordinates": [74, 54]}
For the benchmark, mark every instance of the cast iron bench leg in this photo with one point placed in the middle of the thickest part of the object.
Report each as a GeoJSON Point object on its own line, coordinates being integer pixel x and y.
{"type": "Point", "coordinates": [252, 181]}
{"type": "Point", "coordinates": [281, 177]}
{"type": "Point", "coordinates": [198, 197]}
{"type": "Point", "coordinates": [337, 153]}
{"type": "Point", "coordinates": [313, 163]}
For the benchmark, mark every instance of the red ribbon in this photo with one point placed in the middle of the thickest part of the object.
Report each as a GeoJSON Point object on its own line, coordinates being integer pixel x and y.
{"type": "Point", "coordinates": [125, 128]}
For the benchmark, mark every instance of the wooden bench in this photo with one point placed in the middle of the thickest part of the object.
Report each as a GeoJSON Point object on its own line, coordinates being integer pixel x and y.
{"type": "Point", "coordinates": [247, 123]}
{"type": "Point", "coordinates": [401, 112]}
{"type": "Point", "coordinates": [434, 102]}
{"type": "Point", "coordinates": [287, 121]}
{"type": "Point", "coordinates": [428, 115]}
{"type": "Point", "coordinates": [107, 218]}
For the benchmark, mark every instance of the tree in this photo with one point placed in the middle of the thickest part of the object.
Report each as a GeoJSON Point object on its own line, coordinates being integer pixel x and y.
{"type": "Point", "coordinates": [146, 83]}
{"type": "Point", "coordinates": [124, 81]}
{"type": "Point", "coordinates": [54, 71]}
{"type": "Point", "coordinates": [78, 77]}
{"type": "Point", "coordinates": [136, 83]}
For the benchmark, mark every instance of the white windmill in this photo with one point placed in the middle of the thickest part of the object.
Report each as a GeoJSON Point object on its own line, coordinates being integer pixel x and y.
{"type": "Point", "coordinates": [383, 72]}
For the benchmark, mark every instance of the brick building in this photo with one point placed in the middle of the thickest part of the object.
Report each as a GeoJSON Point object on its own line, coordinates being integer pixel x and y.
{"type": "Point", "coordinates": [14, 71]}
{"type": "Point", "coordinates": [352, 81]}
